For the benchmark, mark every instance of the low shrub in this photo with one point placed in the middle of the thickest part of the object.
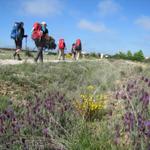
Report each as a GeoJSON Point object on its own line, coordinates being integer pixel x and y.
{"type": "Point", "coordinates": [134, 128]}
{"type": "Point", "coordinates": [49, 118]}
{"type": "Point", "coordinates": [91, 106]}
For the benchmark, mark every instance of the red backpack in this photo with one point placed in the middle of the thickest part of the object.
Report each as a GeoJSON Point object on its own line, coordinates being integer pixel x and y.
{"type": "Point", "coordinates": [37, 31]}
{"type": "Point", "coordinates": [61, 44]}
{"type": "Point", "coordinates": [78, 44]}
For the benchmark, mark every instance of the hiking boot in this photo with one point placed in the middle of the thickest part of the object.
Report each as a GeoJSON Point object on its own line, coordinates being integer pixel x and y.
{"type": "Point", "coordinates": [14, 55]}
{"type": "Point", "coordinates": [19, 57]}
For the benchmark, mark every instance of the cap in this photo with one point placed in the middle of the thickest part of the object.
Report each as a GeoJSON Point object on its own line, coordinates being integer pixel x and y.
{"type": "Point", "coordinates": [43, 23]}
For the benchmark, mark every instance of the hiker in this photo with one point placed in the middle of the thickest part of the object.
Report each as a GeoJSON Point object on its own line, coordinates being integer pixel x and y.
{"type": "Point", "coordinates": [73, 51]}
{"type": "Point", "coordinates": [61, 48]}
{"type": "Point", "coordinates": [18, 34]}
{"type": "Point", "coordinates": [40, 35]}
{"type": "Point", "coordinates": [78, 47]}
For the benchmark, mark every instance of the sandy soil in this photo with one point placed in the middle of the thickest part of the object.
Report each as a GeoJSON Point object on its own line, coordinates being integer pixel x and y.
{"type": "Point", "coordinates": [14, 62]}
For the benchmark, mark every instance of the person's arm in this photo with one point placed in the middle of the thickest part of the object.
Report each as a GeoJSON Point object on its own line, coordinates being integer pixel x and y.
{"type": "Point", "coordinates": [23, 33]}
{"type": "Point", "coordinates": [46, 33]}
{"type": "Point", "coordinates": [64, 45]}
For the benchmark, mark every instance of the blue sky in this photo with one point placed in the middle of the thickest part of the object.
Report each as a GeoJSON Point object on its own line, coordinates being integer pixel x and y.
{"type": "Point", "coordinates": [106, 26]}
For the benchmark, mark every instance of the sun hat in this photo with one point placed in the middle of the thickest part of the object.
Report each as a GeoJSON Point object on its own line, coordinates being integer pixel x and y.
{"type": "Point", "coordinates": [43, 23]}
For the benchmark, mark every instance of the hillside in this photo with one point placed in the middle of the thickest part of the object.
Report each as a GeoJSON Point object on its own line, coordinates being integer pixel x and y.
{"type": "Point", "coordinates": [75, 106]}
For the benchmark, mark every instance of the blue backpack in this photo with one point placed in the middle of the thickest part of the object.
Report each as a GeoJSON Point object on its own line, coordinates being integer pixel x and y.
{"type": "Point", "coordinates": [15, 33]}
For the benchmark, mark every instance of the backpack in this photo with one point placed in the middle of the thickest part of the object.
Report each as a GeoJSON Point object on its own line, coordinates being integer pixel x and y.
{"type": "Point", "coordinates": [16, 32]}
{"type": "Point", "coordinates": [78, 44]}
{"type": "Point", "coordinates": [51, 43]}
{"type": "Point", "coordinates": [61, 44]}
{"type": "Point", "coordinates": [73, 47]}
{"type": "Point", "coordinates": [37, 31]}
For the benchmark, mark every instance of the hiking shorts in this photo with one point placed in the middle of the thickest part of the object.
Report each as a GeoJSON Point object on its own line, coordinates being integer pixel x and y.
{"type": "Point", "coordinates": [18, 43]}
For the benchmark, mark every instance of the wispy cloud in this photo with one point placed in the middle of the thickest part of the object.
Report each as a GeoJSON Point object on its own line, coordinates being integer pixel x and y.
{"type": "Point", "coordinates": [91, 26]}
{"type": "Point", "coordinates": [42, 8]}
{"type": "Point", "coordinates": [144, 22]}
{"type": "Point", "coordinates": [108, 7]}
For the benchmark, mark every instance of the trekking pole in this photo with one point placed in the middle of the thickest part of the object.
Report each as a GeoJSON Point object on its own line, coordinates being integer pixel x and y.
{"type": "Point", "coordinates": [26, 43]}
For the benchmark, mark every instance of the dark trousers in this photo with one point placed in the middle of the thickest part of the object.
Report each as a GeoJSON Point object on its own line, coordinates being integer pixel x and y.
{"type": "Point", "coordinates": [39, 54]}
{"type": "Point", "coordinates": [39, 44]}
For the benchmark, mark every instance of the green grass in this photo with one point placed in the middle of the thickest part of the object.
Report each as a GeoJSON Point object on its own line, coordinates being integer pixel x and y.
{"type": "Point", "coordinates": [70, 78]}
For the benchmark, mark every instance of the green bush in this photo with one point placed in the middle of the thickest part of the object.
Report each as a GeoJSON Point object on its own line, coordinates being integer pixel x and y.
{"type": "Point", "coordinates": [137, 56]}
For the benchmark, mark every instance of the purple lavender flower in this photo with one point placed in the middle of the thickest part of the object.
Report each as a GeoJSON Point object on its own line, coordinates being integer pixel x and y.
{"type": "Point", "coordinates": [9, 113]}
{"type": "Point", "coordinates": [146, 98]}
{"type": "Point", "coordinates": [124, 97]}
{"type": "Point", "coordinates": [128, 88]}
{"type": "Point", "coordinates": [45, 132]}
{"type": "Point", "coordinates": [141, 125]}
{"type": "Point", "coordinates": [129, 121]}
{"type": "Point", "coordinates": [3, 117]}
{"type": "Point", "coordinates": [147, 126]}
{"type": "Point", "coordinates": [1, 129]}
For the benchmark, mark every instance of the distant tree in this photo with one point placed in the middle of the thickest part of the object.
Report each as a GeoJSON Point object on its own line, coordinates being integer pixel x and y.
{"type": "Point", "coordinates": [93, 54]}
{"type": "Point", "coordinates": [139, 56]}
{"type": "Point", "coordinates": [129, 55]}
{"type": "Point", "coordinates": [122, 55]}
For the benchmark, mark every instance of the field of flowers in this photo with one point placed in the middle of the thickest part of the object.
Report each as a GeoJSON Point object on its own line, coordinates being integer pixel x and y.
{"type": "Point", "coordinates": [98, 105]}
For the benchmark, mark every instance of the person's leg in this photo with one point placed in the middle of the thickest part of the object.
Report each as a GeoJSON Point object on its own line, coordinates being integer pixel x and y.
{"type": "Point", "coordinates": [77, 57]}
{"type": "Point", "coordinates": [38, 45]}
{"type": "Point", "coordinates": [59, 54]}
{"type": "Point", "coordinates": [74, 55]}
{"type": "Point", "coordinates": [38, 54]}
{"type": "Point", "coordinates": [41, 55]}
{"type": "Point", "coordinates": [63, 54]}
{"type": "Point", "coordinates": [78, 54]}
{"type": "Point", "coordinates": [18, 55]}
{"type": "Point", "coordinates": [18, 48]}
{"type": "Point", "coordinates": [14, 55]}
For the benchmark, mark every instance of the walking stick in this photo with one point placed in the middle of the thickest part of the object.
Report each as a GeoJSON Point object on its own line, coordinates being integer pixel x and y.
{"type": "Point", "coordinates": [26, 43]}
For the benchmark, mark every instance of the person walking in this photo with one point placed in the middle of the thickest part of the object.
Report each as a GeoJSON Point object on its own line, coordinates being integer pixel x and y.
{"type": "Point", "coordinates": [40, 35]}
{"type": "Point", "coordinates": [78, 48]}
{"type": "Point", "coordinates": [61, 48]}
{"type": "Point", "coordinates": [18, 34]}
{"type": "Point", "coordinates": [73, 51]}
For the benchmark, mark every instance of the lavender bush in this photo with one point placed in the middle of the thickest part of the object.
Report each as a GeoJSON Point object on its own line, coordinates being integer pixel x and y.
{"type": "Point", "coordinates": [49, 118]}
{"type": "Point", "coordinates": [136, 113]}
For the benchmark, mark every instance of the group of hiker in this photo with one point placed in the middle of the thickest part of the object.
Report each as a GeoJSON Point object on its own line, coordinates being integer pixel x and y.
{"type": "Point", "coordinates": [42, 40]}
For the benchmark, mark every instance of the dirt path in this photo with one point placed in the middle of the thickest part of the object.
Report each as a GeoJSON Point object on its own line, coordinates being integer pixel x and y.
{"type": "Point", "coordinates": [31, 61]}
{"type": "Point", "coordinates": [14, 62]}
